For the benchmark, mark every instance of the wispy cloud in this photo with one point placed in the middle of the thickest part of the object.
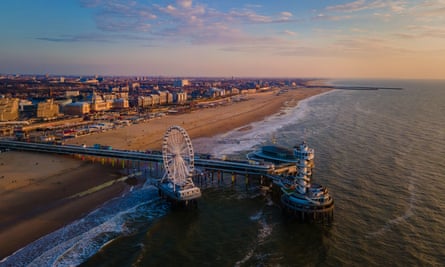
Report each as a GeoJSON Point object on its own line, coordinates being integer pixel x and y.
{"type": "Point", "coordinates": [349, 7]}
{"type": "Point", "coordinates": [78, 38]}
{"type": "Point", "coordinates": [289, 33]}
{"type": "Point", "coordinates": [345, 47]}
{"type": "Point", "coordinates": [185, 3]}
{"type": "Point", "coordinates": [285, 15]}
{"type": "Point", "coordinates": [324, 17]}
{"type": "Point", "coordinates": [359, 5]}
{"type": "Point", "coordinates": [191, 22]}
{"type": "Point", "coordinates": [429, 10]}
{"type": "Point", "coordinates": [93, 38]}
{"type": "Point", "coordinates": [416, 32]}
{"type": "Point", "coordinates": [182, 21]}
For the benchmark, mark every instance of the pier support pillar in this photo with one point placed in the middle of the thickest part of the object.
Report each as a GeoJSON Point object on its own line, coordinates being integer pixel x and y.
{"type": "Point", "coordinates": [150, 166]}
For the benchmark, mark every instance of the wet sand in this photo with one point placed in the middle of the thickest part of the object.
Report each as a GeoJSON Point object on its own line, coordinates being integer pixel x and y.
{"type": "Point", "coordinates": [35, 191]}
{"type": "Point", "coordinates": [35, 188]}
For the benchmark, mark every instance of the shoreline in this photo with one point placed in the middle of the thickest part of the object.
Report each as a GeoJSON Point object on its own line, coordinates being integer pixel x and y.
{"type": "Point", "coordinates": [200, 123]}
{"type": "Point", "coordinates": [205, 123]}
{"type": "Point", "coordinates": [36, 190]}
{"type": "Point", "coordinates": [207, 145]}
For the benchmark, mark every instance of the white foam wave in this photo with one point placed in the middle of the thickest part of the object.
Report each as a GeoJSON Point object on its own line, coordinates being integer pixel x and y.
{"type": "Point", "coordinates": [261, 131]}
{"type": "Point", "coordinates": [264, 231]}
{"type": "Point", "coordinates": [256, 216]}
{"type": "Point", "coordinates": [269, 201]}
{"type": "Point", "coordinates": [402, 218]}
{"type": "Point", "coordinates": [78, 241]}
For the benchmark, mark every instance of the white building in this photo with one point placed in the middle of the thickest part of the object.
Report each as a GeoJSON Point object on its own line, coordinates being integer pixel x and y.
{"type": "Point", "coordinates": [77, 108]}
{"type": "Point", "coordinates": [180, 97]}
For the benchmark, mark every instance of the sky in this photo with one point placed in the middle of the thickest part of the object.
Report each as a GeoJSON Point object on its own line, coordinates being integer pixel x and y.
{"type": "Point", "coordinates": [240, 38]}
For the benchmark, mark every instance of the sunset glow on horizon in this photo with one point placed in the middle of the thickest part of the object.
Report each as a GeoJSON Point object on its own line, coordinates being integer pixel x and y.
{"type": "Point", "coordinates": [332, 39]}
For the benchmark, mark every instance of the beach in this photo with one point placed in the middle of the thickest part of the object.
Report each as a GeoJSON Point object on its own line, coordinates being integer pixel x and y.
{"type": "Point", "coordinates": [37, 189]}
{"type": "Point", "coordinates": [205, 122]}
{"type": "Point", "coordinates": [38, 194]}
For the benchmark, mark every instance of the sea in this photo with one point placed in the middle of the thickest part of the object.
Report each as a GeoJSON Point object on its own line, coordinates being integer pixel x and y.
{"type": "Point", "coordinates": [381, 154]}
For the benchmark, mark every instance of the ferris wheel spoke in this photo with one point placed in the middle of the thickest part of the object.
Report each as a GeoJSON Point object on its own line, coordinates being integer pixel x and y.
{"type": "Point", "coordinates": [184, 150]}
{"type": "Point", "coordinates": [177, 139]}
{"type": "Point", "coordinates": [170, 160]}
{"type": "Point", "coordinates": [170, 147]}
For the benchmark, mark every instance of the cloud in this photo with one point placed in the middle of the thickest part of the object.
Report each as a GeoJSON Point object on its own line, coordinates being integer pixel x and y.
{"type": "Point", "coordinates": [185, 3]}
{"type": "Point", "coordinates": [369, 46]}
{"type": "Point", "coordinates": [417, 32]}
{"type": "Point", "coordinates": [286, 15]}
{"type": "Point", "coordinates": [247, 16]}
{"type": "Point", "coordinates": [323, 17]}
{"type": "Point", "coordinates": [94, 38]}
{"type": "Point", "coordinates": [349, 7]}
{"type": "Point", "coordinates": [359, 5]}
{"type": "Point", "coordinates": [434, 9]}
{"type": "Point", "coordinates": [190, 22]}
{"type": "Point", "coordinates": [182, 21]}
{"type": "Point", "coordinates": [290, 33]}
{"type": "Point", "coordinates": [438, 11]}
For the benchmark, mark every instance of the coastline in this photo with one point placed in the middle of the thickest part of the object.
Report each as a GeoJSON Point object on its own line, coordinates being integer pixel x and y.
{"type": "Point", "coordinates": [56, 212]}
{"type": "Point", "coordinates": [200, 123]}
{"type": "Point", "coordinates": [35, 194]}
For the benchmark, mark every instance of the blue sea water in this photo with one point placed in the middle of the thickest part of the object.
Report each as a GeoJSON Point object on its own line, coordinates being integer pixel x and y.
{"type": "Point", "coordinates": [381, 153]}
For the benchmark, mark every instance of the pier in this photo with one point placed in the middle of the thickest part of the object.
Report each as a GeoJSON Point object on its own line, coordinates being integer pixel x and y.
{"type": "Point", "coordinates": [239, 167]}
{"type": "Point", "coordinates": [207, 168]}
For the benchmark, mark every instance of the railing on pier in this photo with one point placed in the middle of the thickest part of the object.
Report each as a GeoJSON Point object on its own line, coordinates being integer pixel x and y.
{"type": "Point", "coordinates": [208, 164]}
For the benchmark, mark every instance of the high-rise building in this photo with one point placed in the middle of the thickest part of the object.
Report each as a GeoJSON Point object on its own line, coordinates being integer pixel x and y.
{"type": "Point", "coordinates": [47, 109]}
{"type": "Point", "coordinates": [9, 109]}
{"type": "Point", "coordinates": [77, 108]}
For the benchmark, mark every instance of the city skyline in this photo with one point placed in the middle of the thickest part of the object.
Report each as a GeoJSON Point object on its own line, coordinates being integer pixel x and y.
{"type": "Point", "coordinates": [332, 39]}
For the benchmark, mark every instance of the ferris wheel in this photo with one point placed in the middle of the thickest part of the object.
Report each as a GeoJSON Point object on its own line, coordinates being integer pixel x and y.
{"type": "Point", "coordinates": [178, 156]}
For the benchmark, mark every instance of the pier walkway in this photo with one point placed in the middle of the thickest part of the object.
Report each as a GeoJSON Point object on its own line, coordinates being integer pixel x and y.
{"type": "Point", "coordinates": [239, 167]}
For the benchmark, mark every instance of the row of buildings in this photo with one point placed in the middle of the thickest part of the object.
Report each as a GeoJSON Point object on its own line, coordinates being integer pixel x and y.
{"type": "Point", "coordinates": [23, 97]}
{"type": "Point", "coordinates": [74, 103]}
{"type": "Point", "coordinates": [12, 109]}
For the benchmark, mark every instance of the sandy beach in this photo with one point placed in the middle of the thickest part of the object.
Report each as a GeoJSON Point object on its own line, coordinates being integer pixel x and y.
{"type": "Point", "coordinates": [37, 194]}
{"type": "Point", "coordinates": [35, 189]}
{"type": "Point", "coordinates": [201, 123]}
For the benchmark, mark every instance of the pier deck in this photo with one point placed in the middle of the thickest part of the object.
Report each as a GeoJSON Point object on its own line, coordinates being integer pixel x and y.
{"type": "Point", "coordinates": [239, 167]}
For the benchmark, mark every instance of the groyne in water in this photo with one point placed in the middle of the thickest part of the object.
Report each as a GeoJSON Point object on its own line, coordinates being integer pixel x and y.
{"type": "Point", "coordinates": [355, 87]}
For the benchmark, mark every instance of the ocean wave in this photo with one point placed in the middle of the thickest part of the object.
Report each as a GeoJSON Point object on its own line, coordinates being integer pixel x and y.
{"type": "Point", "coordinates": [78, 241]}
{"type": "Point", "coordinates": [408, 212]}
{"type": "Point", "coordinates": [263, 131]}
{"type": "Point", "coordinates": [264, 232]}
